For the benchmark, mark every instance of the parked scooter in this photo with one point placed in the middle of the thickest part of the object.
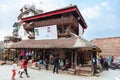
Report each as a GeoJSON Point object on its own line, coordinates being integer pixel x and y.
{"type": "Point", "coordinates": [118, 66]}
{"type": "Point", "coordinates": [113, 66]}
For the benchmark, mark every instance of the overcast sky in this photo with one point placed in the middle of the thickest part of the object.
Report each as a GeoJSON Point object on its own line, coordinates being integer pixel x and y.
{"type": "Point", "coordinates": [101, 16]}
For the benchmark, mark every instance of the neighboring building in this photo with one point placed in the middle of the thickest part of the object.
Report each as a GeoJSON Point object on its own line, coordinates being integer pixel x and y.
{"type": "Point", "coordinates": [57, 32]}
{"type": "Point", "coordinates": [8, 41]}
{"type": "Point", "coordinates": [19, 33]}
{"type": "Point", "coordinates": [26, 11]}
{"type": "Point", "coordinates": [1, 47]}
{"type": "Point", "coordinates": [29, 10]}
{"type": "Point", "coordinates": [109, 46]}
{"type": "Point", "coordinates": [15, 29]}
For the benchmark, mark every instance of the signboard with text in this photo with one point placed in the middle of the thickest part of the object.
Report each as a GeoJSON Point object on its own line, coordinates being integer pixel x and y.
{"type": "Point", "coordinates": [46, 32]}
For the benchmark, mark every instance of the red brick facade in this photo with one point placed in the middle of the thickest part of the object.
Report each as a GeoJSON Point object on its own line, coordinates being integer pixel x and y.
{"type": "Point", "coordinates": [109, 46]}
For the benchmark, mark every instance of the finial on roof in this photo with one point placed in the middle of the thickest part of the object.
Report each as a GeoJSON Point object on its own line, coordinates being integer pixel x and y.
{"type": "Point", "coordinates": [41, 2]}
{"type": "Point", "coordinates": [70, 4]}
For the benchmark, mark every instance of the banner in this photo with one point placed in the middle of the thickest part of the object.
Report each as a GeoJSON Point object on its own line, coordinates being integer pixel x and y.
{"type": "Point", "coordinates": [46, 32]}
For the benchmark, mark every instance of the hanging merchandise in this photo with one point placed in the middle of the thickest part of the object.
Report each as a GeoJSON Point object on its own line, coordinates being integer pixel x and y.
{"type": "Point", "coordinates": [32, 52]}
{"type": "Point", "coordinates": [35, 55]}
{"type": "Point", "coordinates": [23, 53]}
{"type": "Point", "coordinates": [26, 54]}
{"type": "Point", "coordinates": [97, 54]}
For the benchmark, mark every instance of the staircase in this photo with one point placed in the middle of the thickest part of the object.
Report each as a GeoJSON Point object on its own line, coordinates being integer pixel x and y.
{"type": "Point", "coordinates": [84, 71]}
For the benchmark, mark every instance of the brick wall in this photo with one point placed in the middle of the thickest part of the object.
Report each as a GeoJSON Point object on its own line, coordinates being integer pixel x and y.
{"type": "Point", "coordinates": [109, 46]}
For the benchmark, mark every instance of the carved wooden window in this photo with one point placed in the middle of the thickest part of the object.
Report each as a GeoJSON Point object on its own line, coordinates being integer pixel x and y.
{"type": "Point", "coordinates": [63, 29]}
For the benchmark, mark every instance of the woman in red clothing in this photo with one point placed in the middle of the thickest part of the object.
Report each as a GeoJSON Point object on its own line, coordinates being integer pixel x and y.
{"type": "Point", "coordinates": [24, 66]}
{"type": "Point", "coordinates": [14, 68]}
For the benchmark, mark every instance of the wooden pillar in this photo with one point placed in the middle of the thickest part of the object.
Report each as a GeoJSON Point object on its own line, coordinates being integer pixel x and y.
{"type": "Point", "coordinates": [72, 63]}
{"type": "Point", "coordinates": [92, 68]}
{"type": "Point", "coordinates": [16, 54]}
{"type": "Point", "coordinates": [43, 54]}
{"type": "Point", "coordinates": [75, 58]}
{"type": "Point", "coordinates": [8, 54]}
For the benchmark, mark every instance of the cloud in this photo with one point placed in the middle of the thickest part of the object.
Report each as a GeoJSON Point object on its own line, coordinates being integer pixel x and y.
{"type": "Point", "coordinates": [46, 5]}
{"type": "Point", "coordinates": [94, 12]}
{"type": "Point", "coordinates": [91, 12]}
{"type": "Point", "coordinates": [106, 23]}
{"type": "Point", "coordinates": [4, 8]}
{"type": "Point", "coordinates": [4, 33]}
{"type": "Point", "coordinates": [104, 4]}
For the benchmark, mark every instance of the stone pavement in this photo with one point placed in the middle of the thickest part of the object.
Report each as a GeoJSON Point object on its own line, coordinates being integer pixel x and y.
{"type": "Point", "coordinates": [5, 74]}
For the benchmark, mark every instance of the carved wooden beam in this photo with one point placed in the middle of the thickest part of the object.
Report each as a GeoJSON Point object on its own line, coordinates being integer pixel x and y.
{"type": "Point", "coordinates": [63, 35]}
{"type": "Point", "coordinates": [53, 21]}
{"type": "Point", "coordinates": [31, 34]}
{"type": "Point", "coordinates": [29, 26]}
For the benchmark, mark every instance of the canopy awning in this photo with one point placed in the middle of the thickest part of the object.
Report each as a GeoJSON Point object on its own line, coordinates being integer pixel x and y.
{"type": "Point", "coordinates": [56, 43]}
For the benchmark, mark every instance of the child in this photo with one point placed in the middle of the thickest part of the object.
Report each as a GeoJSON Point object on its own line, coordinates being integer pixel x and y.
{"type": "Point", "coordinates": [14, 68]}
{"type": "Point", "coordinates": [21, 70]}
{"type": "Point", "coordinates": [24, 67]}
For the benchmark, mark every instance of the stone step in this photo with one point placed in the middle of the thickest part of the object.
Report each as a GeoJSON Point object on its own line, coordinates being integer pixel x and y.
{"type": "Point", "coordinates": [86, 74]}
{"type": "Point", "coordinates": [85, 68]}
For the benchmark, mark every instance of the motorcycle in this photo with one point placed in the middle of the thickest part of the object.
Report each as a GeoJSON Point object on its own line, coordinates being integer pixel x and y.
{"type": "Point", "coordinates": [113, 66]}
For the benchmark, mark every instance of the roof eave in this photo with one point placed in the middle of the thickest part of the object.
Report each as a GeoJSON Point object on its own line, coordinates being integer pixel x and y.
{"type": "Point", "coordinates": [57, 12]}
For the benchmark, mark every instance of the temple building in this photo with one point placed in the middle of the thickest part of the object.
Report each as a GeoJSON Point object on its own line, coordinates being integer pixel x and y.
{"type": "Point", "coordinates": [59, 32]}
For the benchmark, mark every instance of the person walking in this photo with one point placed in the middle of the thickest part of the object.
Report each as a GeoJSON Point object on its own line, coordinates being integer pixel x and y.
{"type": "Point", "coordinates": [106, 64]}
{"type": "Point", "coordinates": [67, 64]}
{"type": "Point", "coordinates": [14, 69]}
{"type": "Point", "coordinates": [102, 61]}
{"type": "Point", "coordinates": [94, 64]}
{"type": "Point", "coordinates": [56, 64]}
{"type": "Point", "coordinates": [24, 66]}
{"type": "Point", "coordinates": [5, 59]}
{"type": "Point", "coordinates": [46, 64]}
